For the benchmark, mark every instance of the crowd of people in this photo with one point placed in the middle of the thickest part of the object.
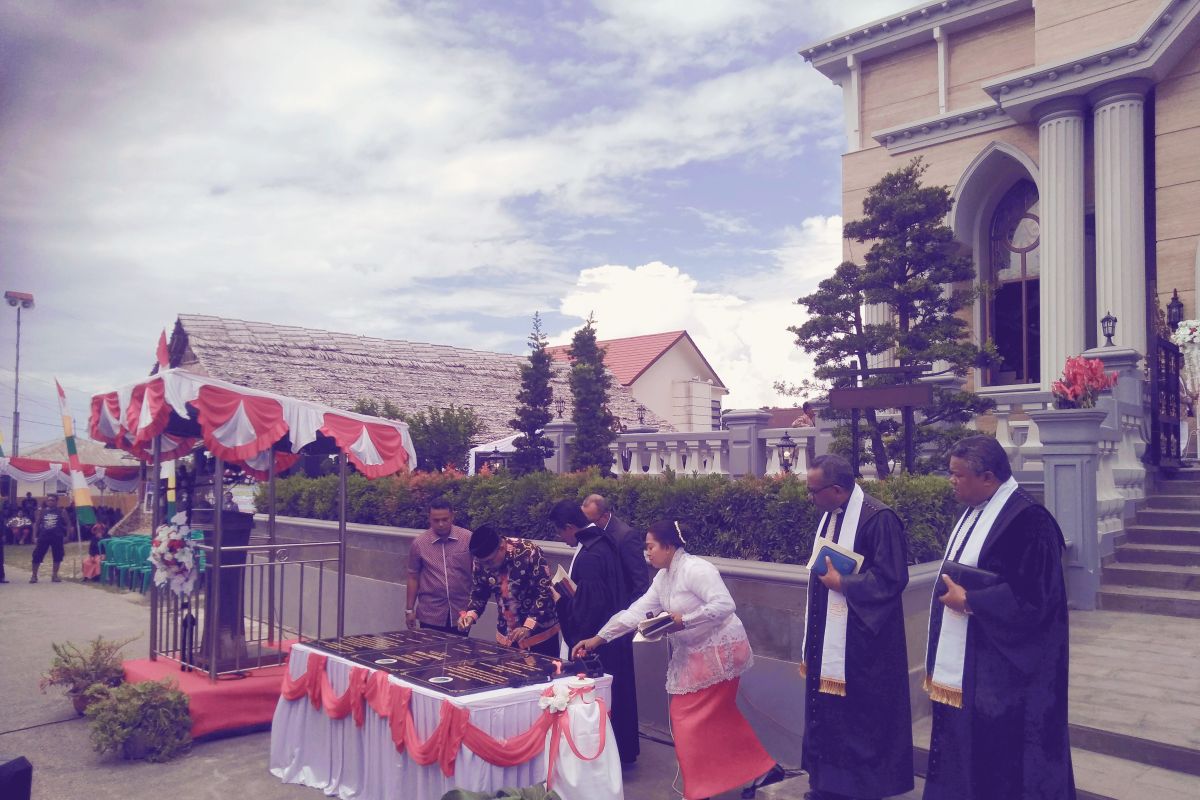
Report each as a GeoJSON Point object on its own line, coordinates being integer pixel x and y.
{"type": "Point", "coordinates": [996, 655]}
{"type": "Point", "coordinates": [49, 525]}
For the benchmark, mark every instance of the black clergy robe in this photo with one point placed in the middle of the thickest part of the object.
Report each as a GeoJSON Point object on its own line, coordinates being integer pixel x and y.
{"type": "Point", "coordinates": [600, 593]}
{"type": "Point", "coordinates": [861, 744]}
{"type": "Point", "coordinates": [1009, 740]}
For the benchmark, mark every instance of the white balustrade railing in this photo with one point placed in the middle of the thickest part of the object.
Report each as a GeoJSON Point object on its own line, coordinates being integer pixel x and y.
{"type": "Point", "coordinates": [805, 441]}
{"type": "Point", "coordinates": [1016, 432]}
{"type": "Point", "coordinates": [697, 453]}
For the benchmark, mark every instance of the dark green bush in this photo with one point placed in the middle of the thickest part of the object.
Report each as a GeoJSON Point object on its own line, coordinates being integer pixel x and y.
{"type": "Point", "coordinates": [759, 519]}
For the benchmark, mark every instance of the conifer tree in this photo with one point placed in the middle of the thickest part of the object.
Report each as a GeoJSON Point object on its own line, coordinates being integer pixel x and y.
{"type": "Point", "coordinates": [533, 447]}
{"type": "Point", "coordinates": [590, 383]}
{"type": "Point", "coordinates": [919, 271]}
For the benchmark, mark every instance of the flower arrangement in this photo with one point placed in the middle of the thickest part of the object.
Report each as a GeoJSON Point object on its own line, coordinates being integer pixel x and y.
{"type": "Point", "coordinates": [556, 699]}
{"type": "Point", "coordinates": [1082, 381]}
{"type": "Point", "coordinates": [174, 557]}
{"type": "Point", "coordinates": [1187, 333]}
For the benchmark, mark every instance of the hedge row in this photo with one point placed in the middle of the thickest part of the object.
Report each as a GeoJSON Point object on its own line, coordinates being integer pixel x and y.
{"type": "Point", "coordinates": [761, 519]}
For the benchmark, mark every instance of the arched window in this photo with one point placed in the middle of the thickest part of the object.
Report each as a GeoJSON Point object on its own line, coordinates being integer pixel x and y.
{"type": "Point", "coordinates": [1011, 291]}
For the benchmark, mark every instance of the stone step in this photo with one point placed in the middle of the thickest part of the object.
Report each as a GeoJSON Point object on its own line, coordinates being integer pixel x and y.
{"type": "Point", "coordinates": [1147, 752]}
{"type": "Point", "coordinates": [1145, 600]}
{"type": "Point", "coordinates": [1162, 576]}
{"type": "Point", "coordinates": [1178, 554]}
{"type": "Point", "coordinates": [1162, 534]}
{"type": "Point", "coordinates": [1098, 776]}
{"type": "Point", "coordinates": [1184, 501]}
{"type": "Point", "coordinates": [1170, 517]}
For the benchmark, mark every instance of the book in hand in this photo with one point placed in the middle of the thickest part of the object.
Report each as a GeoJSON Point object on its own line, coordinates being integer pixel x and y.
{"type": "Point", "coordinates": [845, 560]}
{"type": "Point", "coordinates": [654, 628]}
{"type": "Point", "coordinates": [970, 578]}
{"type": "Point", "coordinates": [562, 582]}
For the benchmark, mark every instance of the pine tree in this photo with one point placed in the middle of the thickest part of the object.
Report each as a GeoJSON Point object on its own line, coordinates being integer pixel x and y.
{"type": "Point", "coordinates": [533, 413]}
{"type": "Point", "coordinates": [918, 270]}
{"type": "Point", "coordinates": [590, 383]}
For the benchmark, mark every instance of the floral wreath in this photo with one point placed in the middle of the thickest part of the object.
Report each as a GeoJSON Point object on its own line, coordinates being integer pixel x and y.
{"type": "Point", "coordinates": [174, 556]}
{"type": "Point", "coordinates": [1188, 332]}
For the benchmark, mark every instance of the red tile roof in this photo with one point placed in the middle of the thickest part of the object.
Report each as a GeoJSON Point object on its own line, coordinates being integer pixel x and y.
{"type": "Point", "coordinates": [629, 357]}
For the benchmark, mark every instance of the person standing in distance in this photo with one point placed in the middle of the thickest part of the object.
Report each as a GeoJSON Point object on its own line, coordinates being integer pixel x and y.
{"type": "Point", "coordinates": [996, 661]}
{"type": "Point", "coordinates": [857, 721]}
{"type": "Point", "coordinates": [439, 573]}
{"type": "Point", "coordinates": [50, 530]}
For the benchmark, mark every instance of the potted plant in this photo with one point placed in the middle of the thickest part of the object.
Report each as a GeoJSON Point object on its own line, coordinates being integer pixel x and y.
{"type": "Point", "coordinates": [147, 720]}
{"type": "Point", "coordinates": [79, 668]}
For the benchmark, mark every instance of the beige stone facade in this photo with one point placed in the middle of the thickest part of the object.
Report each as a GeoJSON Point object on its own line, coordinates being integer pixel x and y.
{"type": "Point", "coordinates": [1092, 104]}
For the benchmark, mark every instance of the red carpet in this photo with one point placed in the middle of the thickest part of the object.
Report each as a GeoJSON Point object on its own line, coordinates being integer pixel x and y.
{"type": "Point", "coordinates": [227, 705]}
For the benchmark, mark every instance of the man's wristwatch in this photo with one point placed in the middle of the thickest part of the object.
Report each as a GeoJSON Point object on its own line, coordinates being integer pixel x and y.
{"type": "Point", "coordinates": [409, 611]}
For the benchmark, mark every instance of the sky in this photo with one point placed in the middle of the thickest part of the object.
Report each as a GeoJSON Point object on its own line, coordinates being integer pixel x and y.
{"type": "Point", "coordinates": [430, 171]}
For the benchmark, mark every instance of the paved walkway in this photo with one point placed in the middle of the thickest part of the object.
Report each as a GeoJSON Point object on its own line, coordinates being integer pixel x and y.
{"type": "Point", "coordinates": [45, 729]}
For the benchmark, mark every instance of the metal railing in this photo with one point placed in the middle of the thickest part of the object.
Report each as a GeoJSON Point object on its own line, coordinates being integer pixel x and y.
{"type": "Point", "coordinates": [259, 606]}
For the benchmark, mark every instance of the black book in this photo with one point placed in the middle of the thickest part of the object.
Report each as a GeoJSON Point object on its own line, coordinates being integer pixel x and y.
{"type": "Point", "coordinates": [970, 578]}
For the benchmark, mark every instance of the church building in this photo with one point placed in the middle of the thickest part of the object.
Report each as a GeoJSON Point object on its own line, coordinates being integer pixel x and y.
{"type": "Point", "coordinates": [1069, 132]}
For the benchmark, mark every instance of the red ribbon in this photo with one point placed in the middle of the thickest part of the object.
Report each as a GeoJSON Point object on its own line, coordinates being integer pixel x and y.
{"type": "Point", "coordinates": [393, 702]}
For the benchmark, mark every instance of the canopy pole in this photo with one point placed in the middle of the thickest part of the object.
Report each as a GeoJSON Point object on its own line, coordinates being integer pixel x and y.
{"type": "Point", "coordinates": [214, 572]}
{"type": "Point", "coordinates": [272, 552]}
{"type": "Point", "coordinates": [155, 521]}
{"type": "Point", "coordinates": [341, 584]}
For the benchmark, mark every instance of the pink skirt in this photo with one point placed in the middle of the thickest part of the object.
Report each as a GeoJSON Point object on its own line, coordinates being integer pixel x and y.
{"type": "Point", "coordinates": [715, 745]}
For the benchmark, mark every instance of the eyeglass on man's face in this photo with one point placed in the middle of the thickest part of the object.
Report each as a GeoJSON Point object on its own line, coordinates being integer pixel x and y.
{"type": "Point", "coordinates": [820, 489]}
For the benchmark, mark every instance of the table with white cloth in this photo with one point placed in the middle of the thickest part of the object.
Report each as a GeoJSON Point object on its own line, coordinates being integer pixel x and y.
{"type": "Point", "coordinates": [348, 761]}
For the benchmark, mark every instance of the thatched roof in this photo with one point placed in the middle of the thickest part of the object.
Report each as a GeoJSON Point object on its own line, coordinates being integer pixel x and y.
{"type": "Point", "coordinates": [340, 368]}
{"type": "Point", "coordinates": [90, 452]}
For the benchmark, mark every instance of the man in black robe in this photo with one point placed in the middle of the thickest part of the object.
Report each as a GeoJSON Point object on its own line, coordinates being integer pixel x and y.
{"type": "Point", "coordinates": [630, 544]}
{"type": "Point", "coordinates": [999, 733]}
{"type": "Point", "coordinates": [599, 589]}
{"type": "Point", "coordinates": [858, 723]}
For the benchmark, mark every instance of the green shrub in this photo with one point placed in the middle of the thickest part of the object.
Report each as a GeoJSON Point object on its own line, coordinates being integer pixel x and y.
{"type": "Point", "coordinates": [147, 720]}
{"type": "Point", "coordinates": [758, 519]}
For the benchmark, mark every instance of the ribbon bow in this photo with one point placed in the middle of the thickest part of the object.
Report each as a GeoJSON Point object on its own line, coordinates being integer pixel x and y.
{"type": "Point", "coordinates": [561, 727]}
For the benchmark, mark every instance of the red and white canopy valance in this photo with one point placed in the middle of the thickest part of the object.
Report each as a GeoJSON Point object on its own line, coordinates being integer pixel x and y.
{"type": "Point", "coordinates": [36, 470]}
{"type": "Point", "coordinates": [242, 425]}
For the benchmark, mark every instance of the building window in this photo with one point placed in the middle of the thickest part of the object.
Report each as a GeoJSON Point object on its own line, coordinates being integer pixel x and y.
{"type": "Point", "coordinates": [1011, 291]}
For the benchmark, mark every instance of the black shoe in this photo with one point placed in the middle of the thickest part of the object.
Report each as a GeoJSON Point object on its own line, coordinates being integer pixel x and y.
{"type": "Point", "coordinates": [774, 775]}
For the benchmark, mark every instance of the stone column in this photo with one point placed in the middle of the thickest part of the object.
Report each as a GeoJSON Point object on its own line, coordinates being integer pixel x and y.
{"type": "Point", "coordinates": [1120, 173]}
{"type": "Point", "coordinates": [1071, 455]}
{"type": "Point", "coordinates": [747, 456]}
{"type": "Point", "coordinates": [1060, 144]}
{"type": "Point", "coordinates": [562, 433]}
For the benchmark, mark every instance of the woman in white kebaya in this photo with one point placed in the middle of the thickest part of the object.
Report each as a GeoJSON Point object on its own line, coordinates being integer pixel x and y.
{"type": "Point", "coordinates": [709, 653]}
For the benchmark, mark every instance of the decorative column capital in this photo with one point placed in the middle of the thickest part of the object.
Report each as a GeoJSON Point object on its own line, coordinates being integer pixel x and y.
{"type": "Point", "coordinates": [1059, 107]}
{"type": "Point", "coordinates": [1117, 91]}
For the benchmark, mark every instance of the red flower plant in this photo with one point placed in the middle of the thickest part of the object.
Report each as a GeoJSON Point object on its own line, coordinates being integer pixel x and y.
{"type": "Point", "coordinates": [1082, 381]}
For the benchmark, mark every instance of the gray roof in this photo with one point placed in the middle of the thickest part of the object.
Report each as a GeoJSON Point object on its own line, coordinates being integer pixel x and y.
{"type": "Point", "coordinates": [340, 368]}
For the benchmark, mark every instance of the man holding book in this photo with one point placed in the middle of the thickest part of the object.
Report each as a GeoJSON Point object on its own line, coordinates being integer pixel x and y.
{"type": "Point", "coordinates": [593, 592]}
{"type": "Point", "coordinates": [996, 663]}
{"type": "Point", "coordinates": [857, 722]}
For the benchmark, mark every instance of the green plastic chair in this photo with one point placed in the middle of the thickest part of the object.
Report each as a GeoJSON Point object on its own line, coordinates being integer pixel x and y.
{"type": "Point", "coordinates": [135, 561]}
{"type": "Point", "coordinates": [114, 557]}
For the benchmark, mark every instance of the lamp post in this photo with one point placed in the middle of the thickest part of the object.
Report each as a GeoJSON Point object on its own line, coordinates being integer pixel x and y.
{"type": "Point", "coordinates": [787, 451]}
{"type": "Point", "coordinates": [18, 300]}
{"type": "Point", "coordinates": [1108, 326]}
{"type": "Point", "coordinates": [1174, 310]}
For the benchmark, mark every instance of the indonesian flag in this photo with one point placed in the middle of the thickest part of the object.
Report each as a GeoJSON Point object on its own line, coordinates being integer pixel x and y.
{"type": "Point", "coordinates": [84, 514]}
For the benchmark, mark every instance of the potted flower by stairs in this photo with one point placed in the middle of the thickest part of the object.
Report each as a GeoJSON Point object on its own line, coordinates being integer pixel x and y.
{"type": "Point", "coordinates": [1075, 418]}
{"type": "Point", "coordinates": [78, 668]}
{"type": "Point", "coordinates": [147, 720]}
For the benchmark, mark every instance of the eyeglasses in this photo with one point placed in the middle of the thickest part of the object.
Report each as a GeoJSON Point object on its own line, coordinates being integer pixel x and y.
{"type": "Point", "coordinates": [818, 490]}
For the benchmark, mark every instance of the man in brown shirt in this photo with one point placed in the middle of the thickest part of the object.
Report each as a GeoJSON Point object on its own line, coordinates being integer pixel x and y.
{"type": "Point", "coordinates": [439, 572]}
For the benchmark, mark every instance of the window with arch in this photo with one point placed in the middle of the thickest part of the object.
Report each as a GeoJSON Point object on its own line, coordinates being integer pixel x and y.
{"type": "Point", "coordinates": [1011, 288]}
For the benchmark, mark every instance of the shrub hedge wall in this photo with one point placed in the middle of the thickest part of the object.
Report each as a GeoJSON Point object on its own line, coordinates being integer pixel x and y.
{"type": "Point", "coordinates": [762, 519]}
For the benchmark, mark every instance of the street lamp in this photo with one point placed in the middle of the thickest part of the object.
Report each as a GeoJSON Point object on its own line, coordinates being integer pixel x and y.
{"type": "Point", "coordinates": [1174, 310]}
{"type": "Point", "coordinates": [1108, 326]}
{"type": "Point", "coordinates": [560, 405]}
{"type": "Point", "coordinates": [787, 451]}
{"type": "Point", "coordinates": [495, 460]}
{"type": "Point", "coordinates": [17, 300]}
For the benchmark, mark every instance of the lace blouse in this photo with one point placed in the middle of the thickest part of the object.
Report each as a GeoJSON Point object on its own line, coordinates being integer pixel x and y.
{"type": "Point", "coordinates": [712, 647]}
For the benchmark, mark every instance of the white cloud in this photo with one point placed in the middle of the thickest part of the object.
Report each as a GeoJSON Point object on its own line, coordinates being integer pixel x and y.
{"type": "Point", "coordinates": [741, 328]}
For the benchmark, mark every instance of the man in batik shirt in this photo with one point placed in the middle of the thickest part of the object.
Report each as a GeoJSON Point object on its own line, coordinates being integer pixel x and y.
{"type": "Point", "coordinates": [513, 571]}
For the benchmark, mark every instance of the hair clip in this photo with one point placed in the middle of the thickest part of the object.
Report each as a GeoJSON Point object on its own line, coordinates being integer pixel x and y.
{"type": "Point", "coordinates": [679, 531]}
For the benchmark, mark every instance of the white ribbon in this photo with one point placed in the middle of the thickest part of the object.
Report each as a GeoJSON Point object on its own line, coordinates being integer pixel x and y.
{"type": "Point", "coordinates": [833, 648]}
{"type": "Point", "coordinates": [951, 645]}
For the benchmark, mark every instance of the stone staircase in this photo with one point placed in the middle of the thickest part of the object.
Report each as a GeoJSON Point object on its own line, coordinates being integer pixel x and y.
{"type": "Point", "coordinates": [1155, 568]}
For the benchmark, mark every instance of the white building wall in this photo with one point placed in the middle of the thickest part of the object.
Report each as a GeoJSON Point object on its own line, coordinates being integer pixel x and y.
{"type": "Point", "coordinates": [676, 388]}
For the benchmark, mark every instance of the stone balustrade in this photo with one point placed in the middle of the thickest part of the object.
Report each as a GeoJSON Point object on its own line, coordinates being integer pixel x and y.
{"type": "Point", "coordinates": [698, 453]}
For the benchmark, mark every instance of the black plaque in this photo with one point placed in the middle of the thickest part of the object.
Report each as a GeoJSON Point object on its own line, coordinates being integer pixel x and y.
{"type": "Point", "coordinates": [448, 651]}
{"type": "Point", "coordinates": [495, 672]}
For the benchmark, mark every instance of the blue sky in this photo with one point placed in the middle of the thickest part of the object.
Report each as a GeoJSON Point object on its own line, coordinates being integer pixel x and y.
{"type": "Point", "coordinates": [426, 171]}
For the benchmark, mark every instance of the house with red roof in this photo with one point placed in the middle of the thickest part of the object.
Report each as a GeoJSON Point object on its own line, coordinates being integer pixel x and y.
{"type": "Point", "coordinates": [666, 373]}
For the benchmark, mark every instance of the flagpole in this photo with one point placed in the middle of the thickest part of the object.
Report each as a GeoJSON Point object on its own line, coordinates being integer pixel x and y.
{"type": "Point", "coordinates": [84, 513]}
